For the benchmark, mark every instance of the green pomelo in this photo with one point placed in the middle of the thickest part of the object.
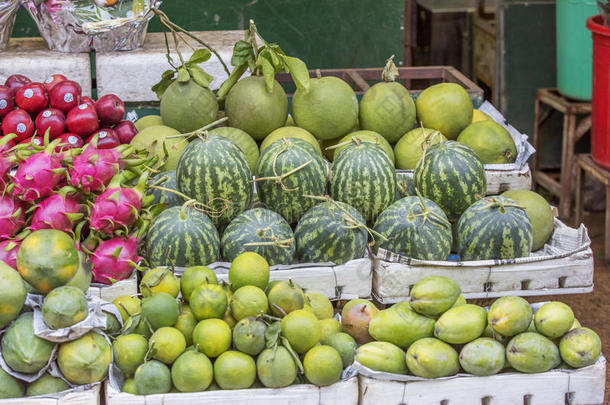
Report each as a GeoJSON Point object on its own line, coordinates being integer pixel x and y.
{"type": "Point", "coordinates": [245, 142]}
{"type": "Point", "coordinates": [490, 141]}
{"type": "Point", "coordinates": [445, 107]}
{"type": "Point", "coordinates": [253, 109]}
{"type": "Point", "coordinates": [344, 344]}
{"type": "Point", "coordinates": [129, 351]}
{"type": "Point", "coordinates": [148, 121]}
{"type": "Point", "coordinates": [382, 356]}
{"type": "Point", "coordinates": [153, 377]}
{"type": "Point", "coordinates": [483, 356]}
{"type": "Point", "coordinates": [47, 384]}
{"type": "Point", "coordinates": [302, 330]}
{"type": "Point", "coordinates": [129, 386]}
{"type": "Point", "coordinates": [328, 110]}
{"type": "Point", "coordinates": [431, 296]}
{"type": "Point", "coordinates": [410, 147]}
{"type": "Point", "coordinates": [12, 294]}
{"type": "Point", "coordinates": [531, 352]}
{"type": "Point", "coordinates": [154, 137]}
{"type": "Point", "coordinates": [10, 387]}
{"type": "Point", "coordinates": [234, 370]}
{"type": "Point", "coordinates": [387, 108]}
{"type": "Point", "coordinates": [366, 136]}
{"type": "Point", "coordinates": [510, 315]}
{"type": "Point", "coordinates": [64, 307]}
{"type": "Point", "coordinates": [323, 365]}
{"type": "Point", "coordinates": [276, 368]}
{"type": "Point", "coordinates": [192, 372]}
{"type": "Point", "coordinates": [186, 106]}
{"type": "Point", "coordinates": [539, 212]}
{"type": "Point", "coordinates": [461, 324]}
{"type": "Point", "coordinates": [432, 358]}
{"type": "Point", "coordinates": [86, 359]}
{"type": "Point", "coordinates": [290, 132]}
{"type": "Point", "coordinates": [580, 347]}
{"type": "Point", "coordinates": [249, 336]}
{"type": "Point", "coordinates": [23, 351]}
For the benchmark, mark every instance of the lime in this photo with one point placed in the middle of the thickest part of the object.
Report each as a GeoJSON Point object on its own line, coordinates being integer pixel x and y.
{"type": "Point", "coordinates": [212, 337]}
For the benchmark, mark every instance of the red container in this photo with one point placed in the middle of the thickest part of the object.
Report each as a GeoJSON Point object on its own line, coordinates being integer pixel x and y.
{"type": "Point", "coordinates": [600, 133]}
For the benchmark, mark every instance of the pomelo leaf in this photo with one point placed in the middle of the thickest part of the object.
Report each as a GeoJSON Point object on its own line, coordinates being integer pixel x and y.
{"type": "Point", "coordinates": [183, 75]}
{"type": "Point", "coordinates": [200, 76]}
{"type": "Point", "coordinates": [199, 56]}
{"type": "Point", "coordinates": [272, 334]}
{"type": "Point", "coordinates": [268, 72]}
{"type": "Point", "coordinates": [298, 71]}
{"type": "Point", "coordinates": [242, 52]}
{"type": "Point", "coordinates": [160, 87]}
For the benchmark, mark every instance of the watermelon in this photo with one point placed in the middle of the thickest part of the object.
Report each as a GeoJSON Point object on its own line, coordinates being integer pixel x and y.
{"type": "Point", "coordinates": [331, 231]}
{"type": "Point", "coordinates": [304, 171]}
{"type": "Point", "coordinates": [214, 171]}
{"type": "Point", "coordinates": [245, 142]}
{"type": "Point", "coordinates": [415, 227]}
{"type": "Point", "coordinates": [452, 175]}
{"type": "Point", "coordinates": [182, 236]}
{"type": "Point", "coordinates": [492, 228]}
{"type": "Point", "coordinates": [363, 176]}
{"type": "Point", "coordinates": [262, 231]}
{"type": "Point", "coordinates": [405, 185]}
{"type": "Point", "coordinates": [165, 180]}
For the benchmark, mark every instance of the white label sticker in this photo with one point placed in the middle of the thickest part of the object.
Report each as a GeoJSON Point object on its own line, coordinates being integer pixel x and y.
{"type": "Point", "coordinates": [68, 97]}
{"type": "Point", "coordinates": [102, 134]}
{"type": "Point", "coordinates": [82, 106]}
{"type": "Point", "coordinates": [3, 104]}
{"type": "Point", "coordinates": [36, 141]}
{"type": "Point", "coordinates": [72, 139]}
{"type": "Point", "coordinates": [46, 113]}
{"type": "Point", "coordinates": [21, 128]}
{"type": "Point", "coordinates": [28, 93]}
{"type": "Point", "coordinates": [49, 80]}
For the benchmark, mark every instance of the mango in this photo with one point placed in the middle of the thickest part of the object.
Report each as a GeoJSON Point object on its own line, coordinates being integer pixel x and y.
{"type": "Point", "coordinates": [461, 324]}
{"type": "Point", "coordinates": [530, 352]}
{"type": "Point", "coordinates": [382, 356]}
{"type": "Point", "coordinates": [483, 356]}
{"type": "Point", "coordinates": [580, 347]}
{"type": "Point", "coordinates": [460, 301]}
{"type": "Point", "coordinates": [510, 315]}
{"type": "Point", "coordinates": [401, 327]}
{"type": "Point", "coordinates": [554, 319]}
{"type": "Point", "coordinates": [432, 358]}
{"type": "Point", "coordinates": [489, 332]}
{"type": "Point", "coordinates": [355, 318]}
{"type": "Point", "coordinates": [434, 295]}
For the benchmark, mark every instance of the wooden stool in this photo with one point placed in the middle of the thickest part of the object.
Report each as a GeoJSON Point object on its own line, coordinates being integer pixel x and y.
{"type": "Point", "coordinates": [584, 162]}
{"type": "Point", "coordinates": [574, 128]}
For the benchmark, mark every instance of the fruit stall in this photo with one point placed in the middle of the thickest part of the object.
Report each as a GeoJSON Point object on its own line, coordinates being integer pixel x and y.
{"type": "Point", "coordinates": [225, 223]}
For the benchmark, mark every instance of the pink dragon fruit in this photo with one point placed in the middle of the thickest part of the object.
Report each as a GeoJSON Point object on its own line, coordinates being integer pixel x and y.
{"type": "Point", "coordinates": [93, 169]}
{"type": "Point", "coordinates": [57, 212]}
{"type": "Point", "coordinates": [114, 259]}
{"type": "Point", "coordinates": [8, 252]}
{"type": "Point", "coordinates": [38, 175]}
{"type": "Point", "coordinates": [118, 207]}
{"type": "Point", "coordinates": [12, 216]}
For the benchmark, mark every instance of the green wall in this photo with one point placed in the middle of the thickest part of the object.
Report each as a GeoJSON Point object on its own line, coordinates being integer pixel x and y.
{"type": "Point", "coordinates": [324, 33]}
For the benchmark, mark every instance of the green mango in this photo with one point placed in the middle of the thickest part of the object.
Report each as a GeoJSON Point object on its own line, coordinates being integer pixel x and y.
{"type": "Point", "coordinates": [554, 319]}
{"type": "Point", "coordinates": [461, 324]}
{"type": "Point", "coordinates": [382, 356]}
{"type": "Point", "coordinates": [510, 315]}
{"type": "Point", "coordinates": [483, 356]}
{"type": "Point", "coordinates": [434, 295]}
{"type": "Point", "coordinates": [400, 326]}
{"type": "Point", "coordinates": [432, 358]}
{"type": "Point", "coordinates": [531, 352]}
{"type": "Point", "coordinates": [580, 347]}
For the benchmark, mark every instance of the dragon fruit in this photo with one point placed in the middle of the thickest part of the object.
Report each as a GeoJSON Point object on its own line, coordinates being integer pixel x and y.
{"type": "Point", "coordinates": [56, 212]}
{"type": "Point", "coordinates": [38, 175]}
{"type": "Point", "coordinates": [12, 216]}
{"type": "Point", "coordinates": [8, 252]}
{"type": "Point", "coordinates": [93, 169]}
{"type": "Point", "coordinates": [118, 207]}
{"type": "Point", "coordinates": [114, 259]}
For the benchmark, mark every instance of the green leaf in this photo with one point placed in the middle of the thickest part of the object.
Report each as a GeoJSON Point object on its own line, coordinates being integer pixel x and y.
{"type": "Point", "coordinates": [199, 56]}
{"type": "Point", "coordinates": [200, 77]}
{"type": "Point", "coordinates": [156, 278]}
{"type": "Point", "coordinates": [160, 87]}
{"type": "Point", "coordinates": [230, 82]}
{"type": "Point", "coordinates": [294, 355]}
{"type": "Point", "coordinates": [183, 75]}
{"type": "Point", "coordinates": [131, 323]}
{"type": "Point", "coordinates": [298, 71]}
{"type": "Point", "coordinates": [272, 334]}
{"type": "Point", "coordinates": [268, 72]}
{"type": "Point", "coordinates": [168, 74]}
{"type": "Point", "coordinates": [273, 58]}
{"type": "Point", "coordinates": [242, 52]}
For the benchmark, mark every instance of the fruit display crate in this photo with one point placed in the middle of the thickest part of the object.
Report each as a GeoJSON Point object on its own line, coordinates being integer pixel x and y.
{"type": "Point", "coordinates": [344, 393]}
{"type": "Point", "coordinates": [345, 281]}
{"type": "Point", "coordinates": [563, 266]}
{"type": "Point", "coordinates": [76, 396]}
{"type": "Point", "coordinates": [584, 386]}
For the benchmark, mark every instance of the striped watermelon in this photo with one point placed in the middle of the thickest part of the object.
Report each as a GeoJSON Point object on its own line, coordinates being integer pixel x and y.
{"type": "Point", "coordinates": [363, 176]}
{"type": "Point", "coordinates": [166, 180]}
{"type": "Point", "coordinates": [305, 173]}
{"type": "Point", "coordinates": [452, 175]}
{"type": "Point", "coordinates": [182, 236]}
{"type": "Point", "coordinates": [262, 231]}
{"type": "Point", "coordinates": [405, 185]}
{"type": "Point", "coordinates": [416, 228]}
{"type": "Point", "coordinates": [331, 231]}
{"type": "Point", "coordinates": [495, 227]}
{"type": "Point", "coordinates": [213, 170]}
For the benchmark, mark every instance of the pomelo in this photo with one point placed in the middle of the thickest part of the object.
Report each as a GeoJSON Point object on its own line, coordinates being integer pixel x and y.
{"type": "Point", "coordinates": [245, 142]}
{"type": "Point", "coordinates": [344, 344]}
{"type": "Point", "coordinates": [540, 214]}
{"type": "Point", "coordinates": [445, 107]}
{"type": "Point", "coordinates": [23, 351]}
{"type": "Point", "coordinates": [290, 132]}
{"type": "Point", "coordinates": [148, 121]}
{"type": "Point", "coordinates": [186, 106]}
{"type": "Point", "coordinates": [129, 386]}
{"type": "Point", "coordinates": [478, 115]}
{"type": "Point", "coordinates": [157, 135]}
{"type": "Point", "coordinates": [490, 141]}
{"type": "Point", "coordinates": [388, 109]}
{"type": "Point", "coordinates": [276, 368]}
{"type": "Point", "coordinates": [329, 327]}
{"type": "Point", "coordinates": [249, 268]}
{"type": "Point", "coordinates": [328, 110]}
{"type": "Point", "coordinates": [249, 335]}
{"type": "Point", "coordinates": [253, 109]}
{"type": "Point", "coordinates": [192, 372]}
{"type": "Point", "coordinates": [234, 370]}
{"type": "Point", "coordinates": [410, 147]}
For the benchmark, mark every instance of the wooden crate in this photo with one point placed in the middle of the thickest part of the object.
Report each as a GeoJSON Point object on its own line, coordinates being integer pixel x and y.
{"type": "Point", "coordinates": [91, 396]}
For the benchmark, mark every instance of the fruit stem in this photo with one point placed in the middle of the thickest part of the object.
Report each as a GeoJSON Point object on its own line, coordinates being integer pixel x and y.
{"type": "Point", "coordinates": [390, 71]}
{"type": "Point", "coordinates": [267, 233]}
{"type": "Point", "coordinates": [279, 179]}
{"type": "Point", "coordinates": [204, 128]}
